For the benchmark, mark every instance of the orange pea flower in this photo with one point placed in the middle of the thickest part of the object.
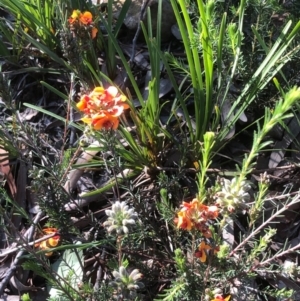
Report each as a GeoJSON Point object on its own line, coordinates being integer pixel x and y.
{"type": "Point", "coordinates": [86, 18]}
{"type": "Point", "coordinates": [203, 248]}
{"type": "Point", "coordinates": [105, 122]}
{"type": "Point", "coordinates": [83, 19]}
{"type": "Point", "coordinates": [201, 253]}
{"type": "Point", "coordinates": [195, 215]}
{"type": "Point", "coordinates": [75, 16]}
{"type": "Point", "coordinates": [184, 221]}
{"type": "Point", "coordinates": [188, 215]}
{"type": "Point", "coordinates": [204, 229]}
{"type": "Point", "coordinates": [102, 107]}
{"type": "Point", "coordinates": [51, 242]}
{"type": "Point", "coordinates": [208, 212]}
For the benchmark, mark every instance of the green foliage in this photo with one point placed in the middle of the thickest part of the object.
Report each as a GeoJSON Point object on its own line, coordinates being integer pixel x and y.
{"type": "Point", "coordinates": [26, 297]}
{"type": "Point", "coordinates": [181, 287]}
{"type": "Point", "coordinates": [164, 206]}
{"type": "Point", "coordinates": [69, 272]}
{"type": "Point", "coordinates": [38, 268]}
{"type": "Point", "coordinates": [202, 88]}
{"type": "Point", "coordinates": [255, 246]}
{"type": "Point", "coordinates": [52, 198]}
{"type": "Point", "coordinates": [150, 136]}
{"type": "Point", "coordinates": [195, 261]}
{"type": "Point", "coordinates": [46, 26]}
{"type": "Point", "coordinates": [220, 54]}
{"type": "Point", "coordinates": [36, 16]}
{"type": "Point", "coordinates": [206, 151]}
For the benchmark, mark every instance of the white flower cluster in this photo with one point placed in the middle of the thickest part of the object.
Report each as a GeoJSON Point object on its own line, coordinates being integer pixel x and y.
{"type": "Point", "coordinates": [233, 195]}
{"type": "Point", "coordinates": [127, 284]}
{"type": "Point", "coordinates": [120, 218]}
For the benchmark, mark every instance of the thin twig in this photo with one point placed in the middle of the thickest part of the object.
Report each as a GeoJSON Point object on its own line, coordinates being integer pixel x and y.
{"type": "Point", "coordinates": [75, 156]}
{"type": "Point", "coordinates": [13, 250]}
{"type": "Point", "coordinates": [284, 208]}
{"type": "Point", "coordinates": [223, 172]}
{"type": "Point", "coordinates": [67, 119]}
{"type": "Point", "coordinates": [15, 263]}
{"type": "Point", "coordinates": [100, 272]}
{"type": "Point", "coordinates": [143, 11]}
{"type": "Point", "coordinates": [260, 264]}
{"type": "Point", "coordinates": [10, 272]}
{"type": "Point", "coordinates": [71, 98]}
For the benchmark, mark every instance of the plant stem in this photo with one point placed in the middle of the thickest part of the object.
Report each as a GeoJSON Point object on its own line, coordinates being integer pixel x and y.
{"type": "Point", "coordinates": [295, 200]}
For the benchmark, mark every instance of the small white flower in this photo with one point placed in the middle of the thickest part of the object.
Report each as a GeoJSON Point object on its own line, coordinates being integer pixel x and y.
{"type": "Point", "coordinates": [290, 269]}
{"type": "Point", "coordinates": [120, 218]}
{"type": "Point", "coordinates": [127, 284]}
{"type": "Point", "coordinates": [233, 195]}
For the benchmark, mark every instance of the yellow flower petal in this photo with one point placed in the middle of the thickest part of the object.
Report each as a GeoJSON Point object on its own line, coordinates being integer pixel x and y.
{"type": "Point", "coordinates": [81, 105]}
{"type": "Point", "coordinates": [53, 241]}
{"type": "Point", "coordinates": [75, 14]}
{"type": "Point", "coordinates": [99, 90]}
{"type": "Point", "coordinates": [86, 120]}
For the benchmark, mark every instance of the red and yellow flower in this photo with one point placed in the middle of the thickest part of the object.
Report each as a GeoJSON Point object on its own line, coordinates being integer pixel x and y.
{"type": "Point", "coordinates": [184, 221]}
{"type": "Point", "coordinates": [202, 249]}
{"type": "Point", "coordinates": [204, 229]}
{"type": "Point", "coordinates": [194, 215]}
{"type": "Point", "coordinates": [51, 242]}
{"type": "Point", "coordinates": [188, 215]}
{"type": "Point", "coordinates": [83, 19]}
{"type": "Point", "coordinates": [102, 108]}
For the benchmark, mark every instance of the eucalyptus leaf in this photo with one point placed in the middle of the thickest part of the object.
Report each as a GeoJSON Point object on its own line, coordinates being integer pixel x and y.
{"type": "Point", "coordinates": [68, 267]}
